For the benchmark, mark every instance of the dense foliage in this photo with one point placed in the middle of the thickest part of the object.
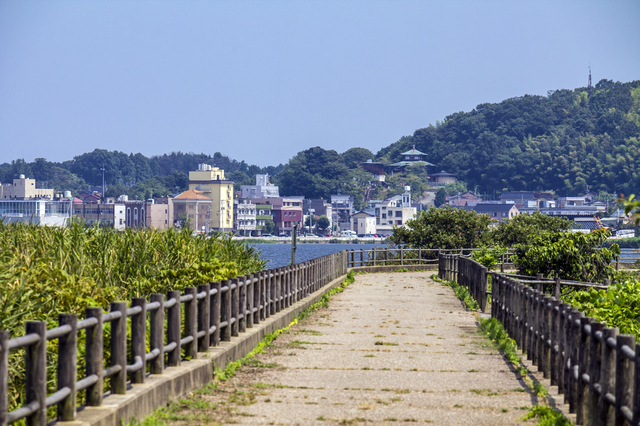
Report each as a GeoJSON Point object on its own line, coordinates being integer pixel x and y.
{"type": "Point", "coordinates": [44, 270]}
{"type": "Point", "coordinates": [564, 141]}
{"type": "Point", "coordinates": [572, 256]}
{"type": "Point", "coordinates": [517, 230]}
{"type": "Point", "coordinates": [618, 306]}
{"type": "Point", "coordinates": [443, 228]}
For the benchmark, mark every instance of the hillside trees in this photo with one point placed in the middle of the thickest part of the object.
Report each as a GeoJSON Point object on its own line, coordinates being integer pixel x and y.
{"type": "Point", "coordinates": [564, 141]}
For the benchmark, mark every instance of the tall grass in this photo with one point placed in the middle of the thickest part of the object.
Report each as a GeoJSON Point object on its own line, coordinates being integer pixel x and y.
{"type": "Point", "coordinates": [45, 271]}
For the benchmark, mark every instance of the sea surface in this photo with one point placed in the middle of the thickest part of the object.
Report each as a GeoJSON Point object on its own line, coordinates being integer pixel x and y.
{"type": "Point", "coordinates": [278, 255]}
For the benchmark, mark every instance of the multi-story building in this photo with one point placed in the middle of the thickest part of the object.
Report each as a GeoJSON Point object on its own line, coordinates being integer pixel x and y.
{"type": "Point", "coordinates": [396, 210]}
{"type": "Point", "coordinates": [244, 216]}
{"type": "Point", "coordinates": [263, 213]}
{"type": "Point", "coordinates": [211, 183]}
{"type": "Point", "coordinates": [156, 213]}
{"type": "Point", "coordinates": [192, 208]}
{"type": "Point", "coordinates": [107, 215]}
{"type": "Point", "coordinates": [286, 211]}
{"type": "Point", "coordinates": [262, 189]}
{"type": "Point", "coordinates": [364, 223]}
{"type": "Point", "coordinates": [342, 209]}
{"type": "Point", "coordinates": [24, 189]}
{"type": "Point", "coordinates": [38, 211]}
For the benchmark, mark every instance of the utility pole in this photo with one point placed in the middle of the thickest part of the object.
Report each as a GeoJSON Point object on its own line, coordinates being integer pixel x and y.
{"type": "Point", "coordinates": [102, 168]}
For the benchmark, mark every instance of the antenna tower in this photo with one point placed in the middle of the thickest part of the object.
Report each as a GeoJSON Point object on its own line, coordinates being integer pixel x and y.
{"type": "Point", "coordinates": [589, 85]}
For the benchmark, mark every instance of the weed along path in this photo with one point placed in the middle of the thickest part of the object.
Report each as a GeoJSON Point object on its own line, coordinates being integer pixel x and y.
{"type": "Point", "coordinates": [391, 348]}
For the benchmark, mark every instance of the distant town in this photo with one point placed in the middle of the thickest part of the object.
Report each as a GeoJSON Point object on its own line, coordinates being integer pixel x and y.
{"type": "Point", "coordinates": [211, 205]}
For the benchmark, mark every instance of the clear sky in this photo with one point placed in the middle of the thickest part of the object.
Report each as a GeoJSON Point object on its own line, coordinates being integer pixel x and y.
{"type": "Point", "coordinates": [262, 80]}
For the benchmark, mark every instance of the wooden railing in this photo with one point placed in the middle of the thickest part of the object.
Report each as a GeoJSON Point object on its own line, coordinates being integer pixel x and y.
{"type": "Point", "coordinates": [596, 368]}
{"type": "Point", "coordinates": [195, 320]}
{"type": "Point", "coordinates": [405, 256]}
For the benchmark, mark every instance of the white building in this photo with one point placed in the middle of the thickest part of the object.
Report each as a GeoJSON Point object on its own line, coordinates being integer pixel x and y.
{"type": "Point", "coordinates": [262, 188]}
{"type": "Point", "coordinates": [40, 212]}
{"type": "Point", "coordinates": [396, 210]}
{"type": "Point", "coordinates": [364, 223]}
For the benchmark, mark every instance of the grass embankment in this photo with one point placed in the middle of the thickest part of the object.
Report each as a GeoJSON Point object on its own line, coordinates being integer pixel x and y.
{"type": "Point", "coordinates": [45, 271]}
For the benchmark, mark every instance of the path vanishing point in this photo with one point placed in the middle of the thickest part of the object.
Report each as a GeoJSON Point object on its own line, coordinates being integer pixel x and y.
{"type": "Point", "coordinates": [393, 348]}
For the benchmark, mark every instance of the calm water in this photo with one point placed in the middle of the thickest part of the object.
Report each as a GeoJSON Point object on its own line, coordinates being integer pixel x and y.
{"type": "Point", "coordinates": [278, 255]}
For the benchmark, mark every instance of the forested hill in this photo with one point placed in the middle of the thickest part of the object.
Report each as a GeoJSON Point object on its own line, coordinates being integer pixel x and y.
{"type": "Point", "coordinates": [562, 142]}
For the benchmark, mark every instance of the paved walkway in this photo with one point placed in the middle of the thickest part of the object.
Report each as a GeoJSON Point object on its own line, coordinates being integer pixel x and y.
{"type": "Point", "coordinates": [392, 348]}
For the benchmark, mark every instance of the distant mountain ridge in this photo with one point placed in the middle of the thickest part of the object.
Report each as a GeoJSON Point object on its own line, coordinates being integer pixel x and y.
{"type": "Point", "coordinates": [562, 142]}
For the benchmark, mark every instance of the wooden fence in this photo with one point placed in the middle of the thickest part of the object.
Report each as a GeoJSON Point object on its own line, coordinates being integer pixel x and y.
{"type": "Point", "coordinates": [190, 322]}
{"type": "Point", "coordinates": [596, 368]}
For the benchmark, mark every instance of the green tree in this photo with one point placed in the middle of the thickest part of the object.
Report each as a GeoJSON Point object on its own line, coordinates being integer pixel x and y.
{"type": "Point", "coordinates": [323, 222]}
{"type": "Point", "coordinates": [269, 226]}
{"type": "Point", "coordinates": [568, 255]}
{"type": "Point", "coordinates": [441, 197]}
{"type": "Point", "coordinates": [455, 187]}
{"type": "Point", "coordinates": [445, 228]}
{"type": "Point", "coordinates": [518, 229]}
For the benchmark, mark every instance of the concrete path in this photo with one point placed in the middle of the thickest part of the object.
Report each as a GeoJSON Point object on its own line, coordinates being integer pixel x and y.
{"type": "Point", "coordinates": [392, 348]}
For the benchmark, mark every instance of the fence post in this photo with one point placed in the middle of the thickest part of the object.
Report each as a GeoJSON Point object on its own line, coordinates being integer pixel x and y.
{"type": "Point", "coordinates": [582, 393]}
{"type": "Point", "coordinates": [636, 390]}
{"type": "Point", "coordinates": [235, 306]}
{"type": "Point", "coordinates": [624, 379]}
{"type": "Point", "coordinates": [242, 304]}
{"type": "Point", "coordinates": [139, 338]}
{"type": "Point", "coordinates": [401, 255]}
{"type": "Point", "coordinates": [94, 354]}
{"type": "Point", "coordinates": [118, 350]}
{"type": "Point", "coordinates": [607, 377]}
{"type": "Point", "coordinates": [576, 321]}
{"type": "Point", "coordinates": [173, 329]}
{"type": "Point", "coordinates": [203, 317]}
{"type": "Point", "coordinates": [191, 322]}
{"type": "Point", "coordinates": [156, 335]}
{"type": "Point", "coordinates": [595, 361]}
{"type": "Point", "coordinates": [4, 376]}
{"type": "Point", "coordinates": [215, 313]}
{"type": "Point", "coordinates": [67, 366]}
{"type": "Point", "coordinates": [36, 372]}
{"type": "Point", "coordinates": [553, 337]}
{"type": "Point", "coordinates": [225, 311]}
{"type": "Point", "coordinates": [556, 288]}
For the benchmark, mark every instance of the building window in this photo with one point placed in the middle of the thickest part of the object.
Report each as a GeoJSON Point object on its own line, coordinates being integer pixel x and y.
{"type": "Point", "coordinates": [398, 213]}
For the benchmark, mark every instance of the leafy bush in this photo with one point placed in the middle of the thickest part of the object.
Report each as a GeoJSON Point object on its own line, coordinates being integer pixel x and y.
{"type": "Point", "coordinates": [488, 257]}
{"type": "Point", "coordinates": [45, 271]}
{"type": "Point", "coordinates": [573, 256]}
{"type": "Point", "coordinates": [518, 229]}
{"type": "Point", "coordinates": [445, 228]}
{"type": "Point", "coordinates": [618, 306]}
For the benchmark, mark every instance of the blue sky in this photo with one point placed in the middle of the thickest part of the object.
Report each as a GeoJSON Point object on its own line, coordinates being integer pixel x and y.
{"type": "Point", "coordinates": [262, 80]}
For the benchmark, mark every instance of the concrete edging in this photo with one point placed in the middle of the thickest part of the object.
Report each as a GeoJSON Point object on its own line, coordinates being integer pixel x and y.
{"type": "Point", "coordinates": [159, 389]}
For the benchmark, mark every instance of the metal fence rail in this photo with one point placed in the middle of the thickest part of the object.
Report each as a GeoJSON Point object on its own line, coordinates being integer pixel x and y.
{"type": "Point", "coordinates": [189, 322]}
{"type": "Point", "coordinates": [596, 368]}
